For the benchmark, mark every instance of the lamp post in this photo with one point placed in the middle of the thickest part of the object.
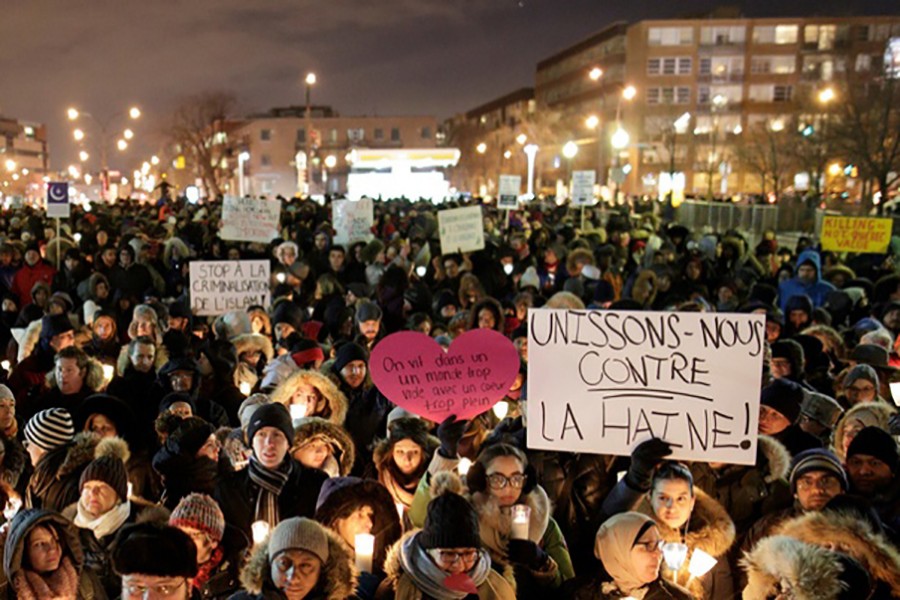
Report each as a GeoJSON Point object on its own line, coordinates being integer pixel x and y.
{"type": "Point", "coordinates": [530, 151]}
{"type": "Point", "coordinates": [569, 150]}
{"type": "Point", "coordinates": [310, 81]}
{"type": "Point", "coordinates": [104, 128]}
{"type": "Point", "coordinates": [243, 157]}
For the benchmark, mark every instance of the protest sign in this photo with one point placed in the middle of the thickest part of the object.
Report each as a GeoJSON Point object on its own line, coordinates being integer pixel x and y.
{"type": "Point", "coordinates": [461, 229]}
{"type": "Point", "coordinates": [604, 381]}
{"type": "Point", "coordinates": [415, 373]}
{"type": "Point", "coordinates": [856, 234]}
{"type": "Point", "coordinates": [583, 188]}
{"type": "Point", "coordinates": [352, 220]}
{"type": "Point", "coordinates": [223, 285]}
{"type": "Point", "coordinates": [508, 195]}
{"type": "Point", "coordinates": [249, 219]}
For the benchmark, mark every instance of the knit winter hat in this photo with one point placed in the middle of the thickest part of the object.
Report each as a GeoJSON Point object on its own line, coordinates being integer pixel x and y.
{"type": "Point", "coordinates": [5, 392]}
{"type": "Point", "coordinates": [54, 325]}
{"type": "Point", "coordinates": [821, 408]}
{"type": "Point", "coordinates": [530, 278]}
{"type": "Point", "coordinates": [299, 533]}
{"type": "Point", "coordinates": [451, 523]}
{"type": "Point", "coordinates": [50, 429]}
{"type": "Point", "coordinates": [348, 353]}
{"type": "Point", "coordinates": [111, 471]}
{"type": "Point", "coordinates": [861, 371]}
{"type": "Point", "coordinates": [817, 459]}
{"type": "Point", "coordinates": [288, 312]}
{"type": "Point", "coordinates": [200, 512]}
{"type": "Point", "coordinates": [874, 441]}
{"type": "Point", "coordinates": [271, 415]}
{"type": "Point", "coordinates": [870, 354]}
{"type": "Point", "coordinates": [189, 436]}
{"type": "Point", "coordinates": [154, 549]}
{"type": "Point", "coordinates": [367, 311]}
{"type": "Point", "coordinates": [783, 396]}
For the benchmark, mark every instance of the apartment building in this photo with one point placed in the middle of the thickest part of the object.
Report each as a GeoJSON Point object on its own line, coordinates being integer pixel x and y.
{"type": "Point", "coordinates": [24, 157]}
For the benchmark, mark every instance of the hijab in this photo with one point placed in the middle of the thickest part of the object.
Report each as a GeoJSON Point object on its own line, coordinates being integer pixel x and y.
{"type": "Point", "coordinates": [615, 539]}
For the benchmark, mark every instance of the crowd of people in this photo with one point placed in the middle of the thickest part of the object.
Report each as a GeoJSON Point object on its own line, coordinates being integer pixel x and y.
{"type": "Point", "coordinates": [146, 452]}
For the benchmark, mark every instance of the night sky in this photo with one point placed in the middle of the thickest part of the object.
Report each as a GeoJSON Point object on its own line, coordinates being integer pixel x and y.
{"type": "Point", "coordinates": [385, 57]}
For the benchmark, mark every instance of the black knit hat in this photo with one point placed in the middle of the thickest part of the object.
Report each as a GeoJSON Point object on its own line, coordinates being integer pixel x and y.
{"type": "Point", "coordinates": [451, 523]}
{"type": "Point", "coordinates": [874, 441]}
{"type": "Point", "coordinates": [111, 471]}
{"type": "Point", "coordinates": [189, 436]}
{"type": "Point", "coordinates": [271, 415]}
{"type": "Point", "coordinates": [54, 325]}
{"type": "Point", "coordinates": [783, 396]}
{"type": "Point", "coordinates": [154, 549]}
{"type": "Point", "coordinates": [347, 353]}
{"type": "Point", "coordinates": [173, 397]}
{"type": "Point", "coordinates": [288, 312]}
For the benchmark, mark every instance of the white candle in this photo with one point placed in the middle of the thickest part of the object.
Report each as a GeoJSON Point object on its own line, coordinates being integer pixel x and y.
{"type": "Point", "coordinates": [108, 372]}
{"type": "Point", "coordinates": [245, 388]}
{"type": "Point", "coordinates": [463, 467]}
{"type": "Point", "coordinates": [299, 410]}
{"type": "Point", "coordinates": [420, 271]}
{"type": "Point", "coordinates": [260, 532]}
{"type": "Point", "coordinates": [5, 365]}
{"type": "Point", "coordinates": [521, 515]}
{"type": "Point", "coordinates": [280, 277]}
{"type": "Point", "coordinates": [701, 563]}
{"type": "Point", "coordinates": [674, 554]}
{"type": "Point", "coordinates": [130, 489]}
{"type": "Point", "coordinates": [400, 510]}
{"type": "Point", "coordinates": [365, 547]}
{"type": "Point", "coordinates": [501, 409]}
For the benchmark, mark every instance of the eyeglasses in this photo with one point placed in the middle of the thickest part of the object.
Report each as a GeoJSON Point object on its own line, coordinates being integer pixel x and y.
{"type": "Point", "coordinates": [860, 390]}
{"type": "Point", "coordinates": [449, 557]}
{"type": "Point", "coordinates": [652, 546]}
{"type": "Point", "coordinates": [498, 481]}
{"type": "Point", "coordinates": [138, 590]}
{"type": "Point", "coordinates": [826, 482]}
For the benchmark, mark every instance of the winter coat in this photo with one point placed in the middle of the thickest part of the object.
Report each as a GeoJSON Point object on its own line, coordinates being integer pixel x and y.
{"type": "Point", "coordinates": [853, 536]}
{"type": "Point", "coordinates": [383, 458]}
{"type": "Point", "coordinates": [749, 492]}
{"type": "Point", "coordinates": [343, 451]}
{"type": "Point", "coordinates": [89, 587]}
{"type": "Point", "coordinates": [236, 495]}
{"type": "Point", "coordinates": [225, 578]}
{"type": "Point", "coordinates": [590, 588]}
{"type": "Point", "coordinates": [817, 290]}
{"type": "Point", "coordinates": [26, 277]}
{"type": "Point", "coordinates": [709, 528]}
{"type": "Point", "coordinates": [399, 585]}
{"type": "Point", "coordinates": [54, 484]}
{"type": "Point", "coordinates": [337, 577]}
{"type": "Point", "coordinates": [335, 410]}
{"type": "Point", "coordinates": [136, 390]}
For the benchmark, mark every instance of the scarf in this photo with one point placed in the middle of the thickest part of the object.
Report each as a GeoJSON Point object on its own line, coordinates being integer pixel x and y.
{"type": "Point", "coordinates": [613, 545]}
{"type": "Point", "coordinates": [61, 584]}
{"type": "Point", "coordinates": [428, 578]}
{"type": "Point", "coordinates": [107, 523]}
{"type": "Point", "coordinates": [206, 570]}
{"type": "Point", "coordinates": [270, 483]}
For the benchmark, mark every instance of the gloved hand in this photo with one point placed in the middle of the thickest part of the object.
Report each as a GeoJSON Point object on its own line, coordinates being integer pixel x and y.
{"type": "Point", "coordinates": [644, 459]}
{"type": "Point", "coordinates": [450, 432]}
{"type": "Point", "coordinates": [527, 553]}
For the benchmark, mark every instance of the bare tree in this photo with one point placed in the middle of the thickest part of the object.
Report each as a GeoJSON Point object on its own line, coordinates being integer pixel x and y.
{"type": "Point", "coordinates": [193, 125]}
{"type": "Point", "coordinates": [762, 150]}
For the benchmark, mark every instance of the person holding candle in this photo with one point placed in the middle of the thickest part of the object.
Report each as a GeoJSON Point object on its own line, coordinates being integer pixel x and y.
{"type": "Point", "coordinates": [274, 486]}
{"type": "Point", "coordinates": [302, 560]}
{"type": "Point", "coordinates": [254, 352]}
{"type": "Point", "coordinates": [320, 444]}
{"type": "Point", "coordinates": [310, 394]}
{"type": "Point", "coordinates": [445, 560]}
{"type": "Point", "coordinates": [403, 458]}
{"type": "Point", "coordinates": [629, 547]}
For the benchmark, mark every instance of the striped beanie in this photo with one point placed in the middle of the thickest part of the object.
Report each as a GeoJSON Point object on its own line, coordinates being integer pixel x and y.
{"type": "Point", "coordinates": [817, 459]}
{"type": "Point", "coordinates": [200, 512]}
{"type": "Point", "coordinates": [50, 429]}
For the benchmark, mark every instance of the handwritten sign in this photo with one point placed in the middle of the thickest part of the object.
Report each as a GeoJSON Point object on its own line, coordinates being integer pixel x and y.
{"type": "Point", "coordinates": [249, 219]}
{"type": "Point", "coordinates": [223, 285]}
{"type": "Point", "coordinates": [604, 381]}
{"type": "Point", "coordinates": [508, 194]}
{"type": "Point", "coordinates": [583, 188]}
{"type": "Point", "coordinates": [461, 229]}
{"type": "Point", "coordinates": [414, 372]}
{"type": "Point", "coordinates": [856, 234]}
{"type": "Point", "coordinates": [352, 220]}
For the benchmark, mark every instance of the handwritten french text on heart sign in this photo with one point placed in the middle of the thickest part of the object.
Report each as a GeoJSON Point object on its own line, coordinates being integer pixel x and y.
{"type": "Point", "coordinates": [415, 373]}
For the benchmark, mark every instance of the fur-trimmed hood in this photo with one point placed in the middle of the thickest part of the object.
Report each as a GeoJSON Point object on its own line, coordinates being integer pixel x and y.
{"type": "Point", "coordinates": [338, 573]}
{"type": "Point", "coordinates": [811, 572]}
{"type": "Point", "coordinates": [161, 357]}
{"type": "Point", "coordinates": [82, 451]}
{"type": "Point", "coordinates": [343, 448]}
{"type": "Point", "coordinates": [337, 401]}
{"type": "Point", "coordinates": [852, 536]}
{"type": "Point", "coordinates": [93, 378]}
{"type": "Point", "coordinates": [876, 414]}
{"type": "Point", "coordinates": [253, 341]}
{"type": "Point", "coordinates": [777, 458]}
{"type": "Point", "coordinates": [495, 529]}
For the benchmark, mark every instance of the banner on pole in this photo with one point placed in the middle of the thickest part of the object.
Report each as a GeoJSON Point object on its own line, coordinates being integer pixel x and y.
{"type": "Point", "coordinates": [583, 188]}
{"type": "Point", "coordinates": [856, 234]}
{"type": "Point", "coordinates": [508, 195]}
{"type": "Point", "coordinates": [352, 220]}
{"type": "Point", "coordinates": [223, 285]}
{"type": "Point", "coordinates": [250, 220]}
{"type": "Point", "coordinates": [58, 200]}
{"type": "Point", "coordinates": [461, 229]}
{"type": "Point", "coordinates": [604, 381]}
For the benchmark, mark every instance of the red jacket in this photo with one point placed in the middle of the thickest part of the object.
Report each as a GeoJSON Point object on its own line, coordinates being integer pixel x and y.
{"type": "Point", "coordinates": [26, 277]}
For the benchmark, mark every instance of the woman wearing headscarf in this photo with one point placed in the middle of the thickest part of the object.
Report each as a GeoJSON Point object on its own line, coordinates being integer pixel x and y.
{"type": "Point", "coordinates": [629, 548]}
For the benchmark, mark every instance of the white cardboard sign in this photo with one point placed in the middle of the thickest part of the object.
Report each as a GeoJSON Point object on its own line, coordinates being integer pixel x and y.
{"type": "Point", "coordinates": [583, 188]}
{"type": "Point", "coordinates": [249, 219]}
{"type": "Point", "coordinates": [604, 381]}
{"type": "Point", "coordinates": [352, 220]}
{"type": "Point", "coordinates": [222, 285]}
{"type": "Point", "coordinates": [461, 229]}
{"type": "Point", "coordinates": [508, 194]}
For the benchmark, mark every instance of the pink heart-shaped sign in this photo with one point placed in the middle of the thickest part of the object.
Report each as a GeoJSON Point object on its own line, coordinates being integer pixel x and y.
{"type": "Point", "coordinates": [415, 373]}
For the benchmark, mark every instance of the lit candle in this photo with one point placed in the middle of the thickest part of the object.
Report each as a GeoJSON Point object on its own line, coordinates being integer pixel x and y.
{"type": "Point", "coordinates": [108, 372]}
{"type": "Point", "coordinates": [245, 388]}
{"type": "Point", "coordinates": [701, 563]}
{"type": "Point", "coordinates": [508, 268]}
{"type": "Point", "coordinates": [77, 238]}
{"type": "Point", "coordinates": [280, 277]}
{"type": "Point", "coordinates": [463, 467]}
{"type": "Point", "coordinates": [299, 410]}
{"type": "Point", "coordinates": [400, 509]}
{"type": "Point", "coordinates": [521, 515]}
{"type": "Point", "coordinates": [130, 489]}
{"type": "Point", "coordinates": [5, 365]}
{"type": "Point", "coordinates": [501, 409]}
{"type": "Point", "coordinates": [674, 554]}
{"type": "Point", "coordinates": [365, 547]}
{"type": "Point", "coordinates": [420, 271]}
{"type": "Point", "coordinates": [260, 532]}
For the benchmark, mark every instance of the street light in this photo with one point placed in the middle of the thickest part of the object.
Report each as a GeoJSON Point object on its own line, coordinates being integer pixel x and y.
{"type": "Point", "coordinates": [620, 139]}
{"type": "Point", "coordinates": [570, 149]}
{"type": "Point", "coordinates": [595, 73]}
{"type": "Point", "coordinates": [310, 79]}
{"type": "Point", "coordinates": [72, 113]}
{"type": "Point", "coordinates": [592, 122]}
{"type": "Point", "coordinates": [330, 161]}
{"type": "Point", "coordinates": [242, 158]}
{"type": "Point", "coordinates": [83, 156]}
{"type": "Point", "coordinates": [78, 135]}
{"type": "Point", "coordinates": [122, 145]}
{"type": "Point", "coordinates": [826, 95]}
{"type": "Point", "coordinates": [128, 134]}
{"type": "Point", "coordinates": [481, 148]}
{"type": "Point", "coordinates": [134, 112]}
